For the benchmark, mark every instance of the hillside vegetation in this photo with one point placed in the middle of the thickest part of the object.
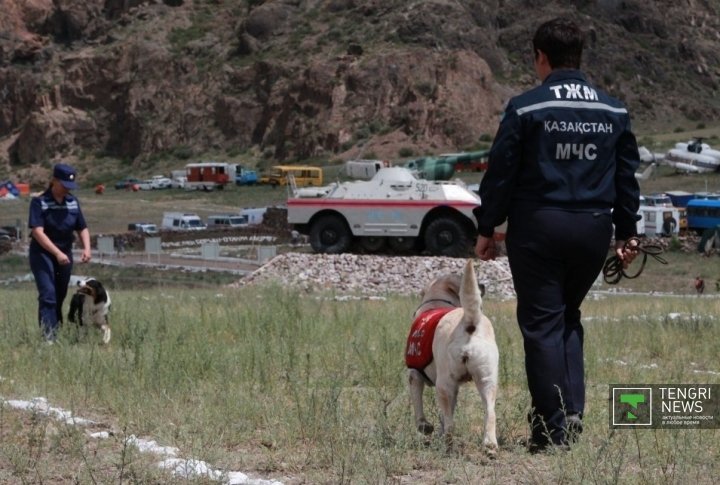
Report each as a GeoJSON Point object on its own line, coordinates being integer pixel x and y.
{"type": "Point", "coordinates": [136, 83]}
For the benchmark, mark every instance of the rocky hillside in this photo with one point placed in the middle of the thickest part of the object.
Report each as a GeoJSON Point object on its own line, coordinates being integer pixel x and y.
{"type": "Point", "coordinates": [144, 80]}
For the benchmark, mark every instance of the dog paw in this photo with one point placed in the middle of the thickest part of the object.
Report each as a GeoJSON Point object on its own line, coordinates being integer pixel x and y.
{"type": "Point", "coordinates": [491, 450]}
{"type": "Point", "coordinates": [425, 428]}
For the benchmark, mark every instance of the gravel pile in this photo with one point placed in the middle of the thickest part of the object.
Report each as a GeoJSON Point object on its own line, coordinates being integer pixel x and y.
{"type": "Point", "coordinates": [366, 275]}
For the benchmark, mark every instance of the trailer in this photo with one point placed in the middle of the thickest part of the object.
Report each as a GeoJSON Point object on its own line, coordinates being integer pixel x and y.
{"type": "Point", "coordinates": [661, 221]}
{"type": "Point", "coordinates": [209, 175]}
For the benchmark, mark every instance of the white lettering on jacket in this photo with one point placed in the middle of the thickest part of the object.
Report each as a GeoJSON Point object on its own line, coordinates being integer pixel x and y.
{"type": "Point", "coordinates": [575, 151]}
{"type": "Point", "coordinates": [574, 91]}
{"type": "Point", "coordinates": [577, 127]}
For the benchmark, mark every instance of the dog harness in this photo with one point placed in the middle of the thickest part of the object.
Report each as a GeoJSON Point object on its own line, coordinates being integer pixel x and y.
{"type": "Point", "coordinates": [418, 351]}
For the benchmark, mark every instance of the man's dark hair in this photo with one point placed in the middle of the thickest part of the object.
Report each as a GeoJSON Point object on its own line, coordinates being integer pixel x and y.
{"type": "Point", "coordinates": [562, 42]}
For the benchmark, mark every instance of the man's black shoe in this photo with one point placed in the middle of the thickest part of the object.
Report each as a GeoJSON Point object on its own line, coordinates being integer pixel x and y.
{"type": "Point", "coordinates": [574, 427]}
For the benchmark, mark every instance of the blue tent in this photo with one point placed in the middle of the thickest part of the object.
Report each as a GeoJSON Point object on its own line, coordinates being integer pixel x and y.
{"type": "Point", "coordinates": [10, 188]}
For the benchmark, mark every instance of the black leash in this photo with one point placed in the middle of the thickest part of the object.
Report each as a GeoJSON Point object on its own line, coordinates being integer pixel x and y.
{"type": "Point", "coordinates": [613, 270]}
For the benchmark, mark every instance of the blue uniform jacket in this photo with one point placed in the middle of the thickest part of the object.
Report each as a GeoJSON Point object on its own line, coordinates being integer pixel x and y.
{"type": "Point", "coordinates": [564, 145]}
{"type": "Point", "coordinates": [59, 221]}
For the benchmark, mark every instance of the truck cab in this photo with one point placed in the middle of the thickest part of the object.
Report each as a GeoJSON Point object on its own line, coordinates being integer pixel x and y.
{"type": "Point", "coordinates": [244, 176]}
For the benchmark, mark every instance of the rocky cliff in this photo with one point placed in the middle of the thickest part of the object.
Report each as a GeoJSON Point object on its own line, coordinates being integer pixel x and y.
{"type": "Point", "coordinates": [139, 80]}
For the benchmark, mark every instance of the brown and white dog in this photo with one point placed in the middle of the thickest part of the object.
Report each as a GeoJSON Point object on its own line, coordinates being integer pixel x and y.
{"type": "Point", "coordinates": [91, 304]}
{"type": "Point", "coordinates": [462, 347]}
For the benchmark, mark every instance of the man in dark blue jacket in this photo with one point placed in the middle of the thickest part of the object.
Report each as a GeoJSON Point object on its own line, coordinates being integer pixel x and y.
{"type": "Point", "coordinates": [562, 172]}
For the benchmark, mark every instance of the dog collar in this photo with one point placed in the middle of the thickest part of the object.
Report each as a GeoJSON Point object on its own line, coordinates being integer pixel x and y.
{"type": "Point", "coordinates": [432, 300]}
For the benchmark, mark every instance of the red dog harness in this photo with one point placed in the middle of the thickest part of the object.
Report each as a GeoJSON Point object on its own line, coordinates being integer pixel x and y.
{"type": "Point", "coordinates": [418, 351]}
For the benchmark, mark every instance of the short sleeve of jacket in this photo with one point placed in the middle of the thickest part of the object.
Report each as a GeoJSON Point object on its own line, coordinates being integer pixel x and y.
{"type": "Point", "coordinates": [36, 219]}
{"type": "Point", "coordinates": [80, 223]}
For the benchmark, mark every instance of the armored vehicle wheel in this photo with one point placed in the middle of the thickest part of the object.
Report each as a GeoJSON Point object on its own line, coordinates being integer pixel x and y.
{"type": "Point", "coordinates": [372, 244]}
{"type": "Point", "coordinates": [401, 244]}
{"type": "Point", "coordinates": [446, 237]}
{"type": "Point", "coordinates": [329, 234]}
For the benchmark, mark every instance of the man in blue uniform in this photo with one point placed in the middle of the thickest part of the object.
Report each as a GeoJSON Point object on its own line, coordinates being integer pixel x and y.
{"type": "Point", "coordinates": [54, 216]}
{"type": "Point", "coordinates": [562, 172]}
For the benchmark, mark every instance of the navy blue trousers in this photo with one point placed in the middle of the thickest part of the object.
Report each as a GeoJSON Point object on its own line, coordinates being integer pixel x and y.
{"type": "Point", "coordinates": [52, 280]}
{"type": "Point", "coordinates": [555, 256]}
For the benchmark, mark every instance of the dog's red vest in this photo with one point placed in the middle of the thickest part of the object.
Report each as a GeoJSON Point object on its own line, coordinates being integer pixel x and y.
{"type": "Point", "coordinates": [418, 351]}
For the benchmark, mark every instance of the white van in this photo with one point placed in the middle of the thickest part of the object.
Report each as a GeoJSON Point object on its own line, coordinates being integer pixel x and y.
{"type": "Point", "coordinates": [254, 215]}
{"type": "Point", "coordinates": [227, 220]}
{"type": "Point", "coordinates": [182, 221]}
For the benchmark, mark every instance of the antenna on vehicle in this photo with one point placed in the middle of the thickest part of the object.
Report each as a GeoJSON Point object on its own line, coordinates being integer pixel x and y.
{"type": "Point", "coordinates": [292, 185]}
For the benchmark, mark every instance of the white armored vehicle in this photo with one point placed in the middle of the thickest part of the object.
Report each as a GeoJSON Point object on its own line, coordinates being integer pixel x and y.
{"type": "Point", "coordinates": [393, 210]}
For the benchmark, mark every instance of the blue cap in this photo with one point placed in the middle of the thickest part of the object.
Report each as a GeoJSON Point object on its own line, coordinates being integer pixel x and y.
{"type": "Point", "coordinates": [66, 175]}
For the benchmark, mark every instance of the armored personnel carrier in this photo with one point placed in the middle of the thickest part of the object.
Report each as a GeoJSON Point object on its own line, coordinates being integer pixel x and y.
{"type": "Point", "coordinates": [393, 212]}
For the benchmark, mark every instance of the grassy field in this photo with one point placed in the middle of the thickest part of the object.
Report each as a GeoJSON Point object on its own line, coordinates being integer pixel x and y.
{"type": "Point", "coordinates": [303, 389]}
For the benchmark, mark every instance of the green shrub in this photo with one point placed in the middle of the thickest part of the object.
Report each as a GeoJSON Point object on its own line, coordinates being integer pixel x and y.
{"type": "Point", "coordinates": [182, 152]}
{"type": "Point", "coordinates": [406, 152]}
{"type": "Point", "coordinates": [486, 137]}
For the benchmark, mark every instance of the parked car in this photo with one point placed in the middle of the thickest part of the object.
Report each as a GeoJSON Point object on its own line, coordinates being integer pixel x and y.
{"type": "Point", "coordinates": [127, 183]}
{"type": "Point", "coordinates": [145, 184]}
{"type": "Point", "coordinates": [160, 182]}
{"type": "Point", "coordinates": [178, 182]}
{"type": "Point", "coordinates": [10, 231]}
{"type": "Point", "coordinates": [144, 227]}
{"type": "Point", "coordinates": [227, 220]}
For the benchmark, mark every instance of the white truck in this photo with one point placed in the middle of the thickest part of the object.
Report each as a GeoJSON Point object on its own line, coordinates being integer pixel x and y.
{"type": "Point", "coordinates": [182, 221]}
{"type": "Point", "coordinates": [394, 209]}
{"type": "Point", "coordinates": [660, 221]}
{"type": "Point", "coordinates": [254, 215]}
{"type": "Point", "coordinates": [364, 169]}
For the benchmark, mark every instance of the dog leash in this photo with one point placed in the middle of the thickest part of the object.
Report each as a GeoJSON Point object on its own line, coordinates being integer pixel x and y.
{"type": "Point", "coordinates": [613, 270]}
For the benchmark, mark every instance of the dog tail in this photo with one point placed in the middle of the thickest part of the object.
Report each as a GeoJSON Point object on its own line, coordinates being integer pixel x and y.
{"type": "Point", "coordinates": [470, 298]}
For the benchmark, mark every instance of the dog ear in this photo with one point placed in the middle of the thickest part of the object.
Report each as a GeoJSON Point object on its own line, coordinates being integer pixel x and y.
{"type": "Point", "coordinates": [100, 294]}
{"type": "Point", "coordinates": [452, 285]}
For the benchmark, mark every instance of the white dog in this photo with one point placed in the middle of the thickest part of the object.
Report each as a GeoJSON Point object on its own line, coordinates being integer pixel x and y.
{"type": "Point", "coordinates": [463, 349]}
{"type": "Point", "coordinates": [91, 304]}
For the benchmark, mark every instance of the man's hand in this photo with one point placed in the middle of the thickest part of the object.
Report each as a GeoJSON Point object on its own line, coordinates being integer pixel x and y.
{"type": "Point", "coordinates": [485, 248]}
{"type": "Point", "coordinates": [626, 251]}
{"type": "Point", "coordinates": [62, 258]}
{"type": "Point", "coordinates": [86, 256]}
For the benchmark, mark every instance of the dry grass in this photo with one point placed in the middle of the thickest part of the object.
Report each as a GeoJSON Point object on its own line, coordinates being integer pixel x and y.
{"type": "Point", "coordinates": [312, 391]}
